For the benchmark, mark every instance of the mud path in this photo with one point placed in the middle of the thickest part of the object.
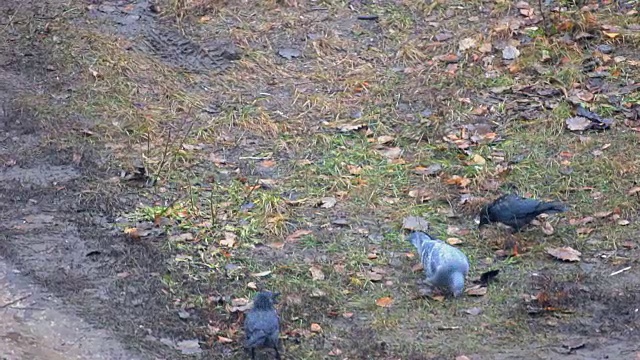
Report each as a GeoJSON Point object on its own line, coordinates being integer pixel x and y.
{"type": "Point", "coordinates": [34, 325]}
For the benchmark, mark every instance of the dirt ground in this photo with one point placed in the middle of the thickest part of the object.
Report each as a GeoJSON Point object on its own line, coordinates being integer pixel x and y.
{"type": "Point", "coordinates": [259, 127]}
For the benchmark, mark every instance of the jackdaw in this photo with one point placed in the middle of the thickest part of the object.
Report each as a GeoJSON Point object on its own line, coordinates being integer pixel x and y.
{"type": "Point", "coordinates": [516, 212]}
{"type": "Point", "coordinates": [262, 325]}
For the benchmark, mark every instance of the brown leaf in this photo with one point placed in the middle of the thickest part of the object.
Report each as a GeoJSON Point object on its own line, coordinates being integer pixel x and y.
{"type": "Point", "coordinates": [431, 170]}
{"type": "Point", "coordinates": [384, 301]}
{"type": "Point", "coordinates": [583, 221]}
{"type": "Point", "coordinates": [224, 340]}
{"type": "Point", "coordinates": [454, 241]}
{"type": "Point", "coordinates": [315, 328]}
{"type": "Point", "coordinates": [603, 214]}
{"type": "Point", "coordinates": [335, 352]}
{"type": "Point", "coordinates": [296, 235]}
{"type": "Point", "coordinates": [267, 163]}
{"type": "Point", "coordinates": [578, 123]}
{"type": "Point", "coordinates": [385, 139]}
{"type": "Point", "coordinates": [417, 267]}
{"type": "Point", "coordinates": [229, 239]}
{"type": "Point", "coordinates": [449, 58]}
{"type": "Point", "coordinates": [547, 229]}
{"type": "Point", "coordinates": [328, 202]}
{"type": "Point", "coordinates": [421, 195]}
{"type": "Point", "coordinates": [354, 169]}
{"type": "Point", "coordinates": [634, 190]}
{"type": "Point", "coordinates": [564, 253]}
{"type": "Point", "coordinates": [261, 274]}
{"type": "Point", "coordinates": [476, 290]}
{"type": "Point", "coordinates": [458, 180]}
{"type": "Point", "coordinates": [371, 276]}
{"type": "Point", "coordinates": [584, 231]}
{"type": "Point", "coordinates": [391, 153]}
{"type": "Point", "coordinates": [415, 223]}
{"type": "Point", "coordinates": [316, 273]}
{"type": "Point", "coordinates": [276, 245]}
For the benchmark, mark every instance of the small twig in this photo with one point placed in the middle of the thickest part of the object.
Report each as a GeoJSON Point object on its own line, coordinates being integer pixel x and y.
{"type": "Point", "coordinates": [14, 301]}
{"type": "Point", "coordinates": [620, 271]}
{"type": "Point", "coordinates": [544, 18]}
{"type": "Point", "coordinates": [255, 186]}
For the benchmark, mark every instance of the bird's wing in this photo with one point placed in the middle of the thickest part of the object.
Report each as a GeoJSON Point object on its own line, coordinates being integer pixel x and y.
{"type": "Point", "coordinates": [516, 205]}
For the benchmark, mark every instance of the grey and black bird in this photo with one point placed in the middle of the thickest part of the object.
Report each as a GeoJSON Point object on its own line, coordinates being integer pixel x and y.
{"type": "Point", "coordinates": [516, 212]}
{"type": "Point", "coordinates": [445, 266]}
{"type": "Point", "coordinates": [262, 325]}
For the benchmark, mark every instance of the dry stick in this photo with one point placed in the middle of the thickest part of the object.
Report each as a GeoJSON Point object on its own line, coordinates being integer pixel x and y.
{"type": "Point", "coordinates": [246, 199]}
{"type": "Point", "coordinates": [544, 18]}
{"type": "Point", "coordinates": [14, 301]}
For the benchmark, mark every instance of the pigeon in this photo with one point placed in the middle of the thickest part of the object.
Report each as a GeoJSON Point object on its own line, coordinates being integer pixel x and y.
{"type": "Point", "coordinates": [516, 212]}
{"type": "Point", "coordinates": [445, 266]}
{"type": "Point", "coordinates": [262, 325]}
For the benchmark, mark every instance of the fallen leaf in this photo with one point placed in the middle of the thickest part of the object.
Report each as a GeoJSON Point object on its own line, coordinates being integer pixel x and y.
{"type": "Point", "coordinates": [623, 222]}
{"type": "Point", "coordinates": [462, 357]}
{"type": "Point", "coordinates": [315, 328]}
{"type": "Point", "coordinates": [421, 195]}
{"type": "Point", "coordinates": [296, 235]}
{"type": "Point", "coordinates": [449, 58]}
{"type": "Point", "coordinates": [583, 221]}
{"type": "Point", "coordinates": [229, 239]}
{"type": "Point", "coordinates": [454, 241]}
{"type": "Point", "coordinates": [335, 352]}
{"type": "Point", "coordinates": [611, 35]}
{"type": "Point", "coordinates": [261, 274]}
{"type": "Point", "coordinates": [578, 123]}
{"type": "Point", "coordinates": [415, 223]}
{"type": "Point", "coordinates": [547, 229]}
{"type": "Point", "coordinates": [347, 315]}
{"type": "Point", "coordinates": [267, 163]}
{"type": "Point", "coordinates": [510, 53]}
{"type": "Point", "coordinates": [466, 44]}
{"type": "Point", "coordinates": [371, 276]}
{"type": "Point", "coordinates": [474, 311]}
{"type": "Point", "coordinates": [634, 190]}
{"type": "Point", "coordinates": [224, 340]}
{"type": "Point", "coordinates": [252, 285]}
{"type": "Point", "coordinates": [417, 267]}
{"type": "Point", "coordinates": [458, 180]}
{"type": "Point", "coordinates": [385, 139]}
{"type": "Point", "coordinates": [486, 48]}
{"type": "Point", "coordinates": [391, 153]}
{"type": "Point", "coordinates": [189, 347]}
{"type": "Point", "coordinates": [584, 231]}
{"type": "Point", "coordinates": [477, 160]}
{"type": "Point", "coordinates": [316, 273]}
{"type": "Point", "coordinates": [564, 253]}
{"type": "Point", "coordinates": [603, 214]}
{"type": "Point", "coordinates": [476, 290]}
{"type": "Point", "coordinates": [276, 245]}
{"type": "Point", "coordinates": [328, 202]}
{"type": "Point", "coordinates": [384, 301]}
{"type": "Point", "coordinates": [372, 256]}
{"type": "Point", "coordinates": [430, 170]}
{"type": "Point", "coordinates": [181, 237]}
{"type": "Point", "coordinates": [354, 169]}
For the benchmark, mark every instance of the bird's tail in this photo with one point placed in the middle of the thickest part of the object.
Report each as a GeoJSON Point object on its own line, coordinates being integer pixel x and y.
{"type": "Point", "coordinates": [552, 207]}
{"type": "Point", "coordinates": [255, 339]}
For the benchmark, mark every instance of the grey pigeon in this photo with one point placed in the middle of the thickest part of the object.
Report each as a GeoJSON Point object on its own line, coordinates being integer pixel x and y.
{"type": "Point", "coordinates": [516, 212]}
{"type": "Point", "coordinates": [262, 326]}
{"type": "Point", "coordinates": [444, 265]}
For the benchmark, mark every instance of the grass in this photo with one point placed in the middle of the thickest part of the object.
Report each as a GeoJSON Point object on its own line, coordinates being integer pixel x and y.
{"type": "Point", "coordinates": [344, 122]}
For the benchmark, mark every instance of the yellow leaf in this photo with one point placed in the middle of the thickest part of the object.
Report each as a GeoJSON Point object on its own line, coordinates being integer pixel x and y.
{"type": "Point", "coordinates": [611, 35]}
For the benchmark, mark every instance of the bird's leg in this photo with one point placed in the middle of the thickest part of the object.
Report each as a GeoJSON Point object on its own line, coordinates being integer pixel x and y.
{"type": "Point", "coordinates": [277, 352]}
{"type": "Point", "coordinates": [253, 353]}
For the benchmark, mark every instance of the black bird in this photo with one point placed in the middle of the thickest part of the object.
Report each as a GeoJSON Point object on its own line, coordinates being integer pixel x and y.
{"type": "Point", "coordinates": [516, 212]}
{"type": "Point", "coordinates": [262, 325]}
